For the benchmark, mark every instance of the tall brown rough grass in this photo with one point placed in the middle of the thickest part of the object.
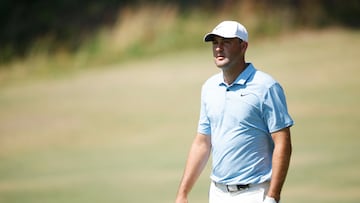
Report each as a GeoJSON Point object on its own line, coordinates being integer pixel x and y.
{"type": "Point", "coordinates": [147, 30]}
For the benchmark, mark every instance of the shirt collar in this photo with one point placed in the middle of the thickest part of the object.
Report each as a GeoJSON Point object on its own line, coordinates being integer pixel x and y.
{"type": "Point", "coordinates": [243, 77]}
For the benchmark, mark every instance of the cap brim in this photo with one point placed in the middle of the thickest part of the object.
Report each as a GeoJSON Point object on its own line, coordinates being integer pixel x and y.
{"type": "Point", "coordinates": [209, 37]}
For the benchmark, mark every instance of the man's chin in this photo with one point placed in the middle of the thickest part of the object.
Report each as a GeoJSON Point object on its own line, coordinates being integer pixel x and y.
{"type": "Point", "coordinates": [220, 62]}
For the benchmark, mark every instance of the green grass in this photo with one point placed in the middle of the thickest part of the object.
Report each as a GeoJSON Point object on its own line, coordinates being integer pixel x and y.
{"type": "Point", "coordinates": [122, 133]}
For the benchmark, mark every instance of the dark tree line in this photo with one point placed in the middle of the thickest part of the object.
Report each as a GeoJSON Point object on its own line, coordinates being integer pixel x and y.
{"type": "Point", "coordinates": [68, 21]}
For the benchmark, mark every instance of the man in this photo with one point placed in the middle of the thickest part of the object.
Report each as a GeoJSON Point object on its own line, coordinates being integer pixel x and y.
{"type": "Point", "coordinates": [244, 123]}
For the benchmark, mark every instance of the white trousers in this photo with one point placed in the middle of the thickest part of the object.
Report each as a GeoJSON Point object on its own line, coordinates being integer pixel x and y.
{"type": "Point", "coordinates": [255, 194]}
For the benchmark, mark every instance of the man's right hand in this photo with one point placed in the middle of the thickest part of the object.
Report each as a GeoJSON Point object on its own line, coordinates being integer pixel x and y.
{"type": "Point", "coordinates": [180, 199]}
{"type": "Point", "coordinates": [196, 162]}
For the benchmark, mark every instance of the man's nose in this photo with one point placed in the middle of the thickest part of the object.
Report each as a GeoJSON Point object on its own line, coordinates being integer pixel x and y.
{"type": "Point", "coordinates": [219, 46]}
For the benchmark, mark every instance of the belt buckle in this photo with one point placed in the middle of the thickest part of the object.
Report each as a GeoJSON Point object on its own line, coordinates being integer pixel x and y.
{"type": "Point", "coordinates": [232, 188]}
{"type": "Point", "coordinates": [236, 188]}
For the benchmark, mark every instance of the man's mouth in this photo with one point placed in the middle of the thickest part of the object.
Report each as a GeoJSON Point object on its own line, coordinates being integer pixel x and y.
{"type": "Point", "coordinates": [219, 54]}
{"type": "Point", "coordinates": [220, 57]}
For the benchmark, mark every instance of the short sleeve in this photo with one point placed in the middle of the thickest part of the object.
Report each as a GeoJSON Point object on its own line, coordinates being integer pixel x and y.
{"type": "Point", "coordinates": [204, 122]}
{"type": "Point", "coordinates": [275, 112]}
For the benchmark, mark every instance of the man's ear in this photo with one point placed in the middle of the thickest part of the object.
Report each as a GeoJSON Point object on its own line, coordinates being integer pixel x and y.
{"type": "Point", "coordinates": [244, 45]}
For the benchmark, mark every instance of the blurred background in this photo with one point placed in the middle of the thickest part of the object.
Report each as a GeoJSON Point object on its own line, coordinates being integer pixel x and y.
{"type": "Point", "coordinates": [63, 35]}
{"type": "Point", "coordinates": [99, 100]}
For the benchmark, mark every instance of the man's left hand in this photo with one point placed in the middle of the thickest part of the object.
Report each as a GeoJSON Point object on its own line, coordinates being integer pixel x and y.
{"type": "Point", "coordinates": [270, 200]}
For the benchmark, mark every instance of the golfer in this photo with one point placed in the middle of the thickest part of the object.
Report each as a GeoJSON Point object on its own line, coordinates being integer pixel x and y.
{"type": "Point", "coordinates": [244, 124]}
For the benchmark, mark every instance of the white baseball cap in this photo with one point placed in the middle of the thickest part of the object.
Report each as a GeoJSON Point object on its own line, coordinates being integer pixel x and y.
{"type": "Point", "coordinates": [228, 29]}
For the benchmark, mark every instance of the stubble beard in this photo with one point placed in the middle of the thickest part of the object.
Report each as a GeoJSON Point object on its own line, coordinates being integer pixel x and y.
{"type": "Point", "coordinates": [222, 64]}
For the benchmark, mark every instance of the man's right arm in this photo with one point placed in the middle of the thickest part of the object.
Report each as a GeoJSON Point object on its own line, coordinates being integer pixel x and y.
{"type": "Point", "coordinates": [196, 162]}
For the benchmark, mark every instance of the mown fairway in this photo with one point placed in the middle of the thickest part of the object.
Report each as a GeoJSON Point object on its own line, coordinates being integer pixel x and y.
{"type": "Point", "coordinates": [121, 134]}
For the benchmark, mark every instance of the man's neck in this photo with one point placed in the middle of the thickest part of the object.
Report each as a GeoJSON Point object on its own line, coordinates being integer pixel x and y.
{"type": "Point", "coordinates": [230, 74]}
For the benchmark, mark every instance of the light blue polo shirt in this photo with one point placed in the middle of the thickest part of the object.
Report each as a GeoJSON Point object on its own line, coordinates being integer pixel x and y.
{"type": "Point", "coordinates": [240, 119]}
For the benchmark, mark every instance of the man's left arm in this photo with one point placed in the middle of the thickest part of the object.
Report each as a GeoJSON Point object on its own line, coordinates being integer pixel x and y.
{"type": "Point", "coordinates": [280, 162]}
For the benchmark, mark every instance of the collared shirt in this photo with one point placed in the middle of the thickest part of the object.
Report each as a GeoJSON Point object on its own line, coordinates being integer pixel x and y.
{"type": "Point", "coordinates": [240, 119]}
